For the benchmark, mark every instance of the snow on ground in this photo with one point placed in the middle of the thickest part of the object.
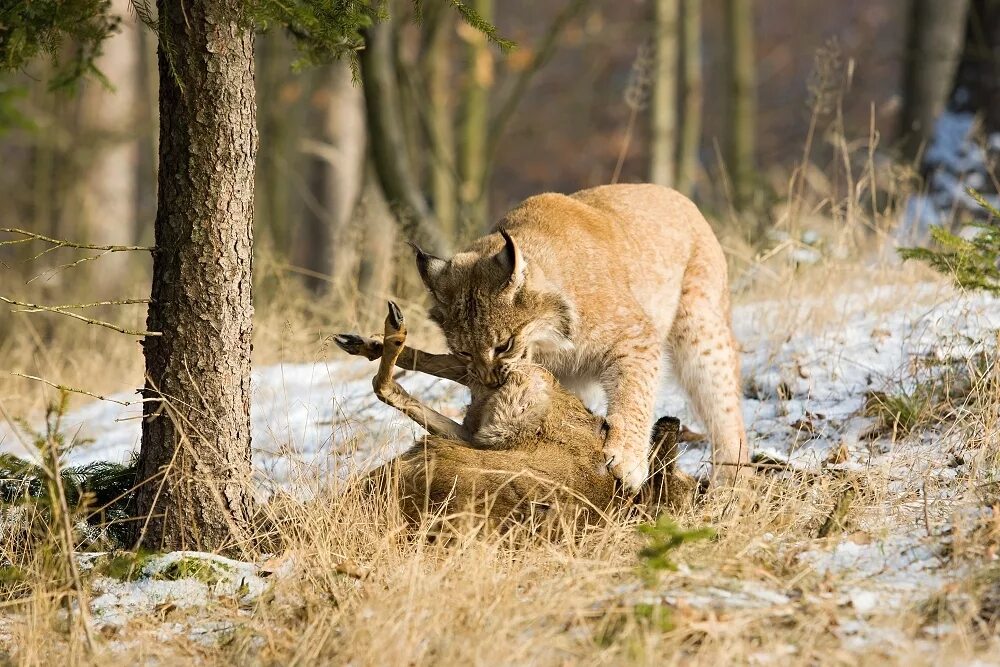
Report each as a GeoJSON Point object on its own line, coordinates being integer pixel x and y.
{"type": "Point", "coordinates": [805, 388]}
{"type": "Point", "coordinates": [803, 392]}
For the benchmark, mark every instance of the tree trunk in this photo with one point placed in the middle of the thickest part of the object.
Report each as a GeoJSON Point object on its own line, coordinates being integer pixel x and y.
{"type": "Point", "coordinates": [933, 45]}
{"type": "Point", "coordinates": [194, 461]}
{"type": "Point", "coordinates": [691, 90]}
{"type": "Point", "coordinates": [663, 109]}
{"type": "Point", "coordinates": [388, 143]}
{"type": "Point", "coordinates": [279, 119]}
{"type": "Point", "coordinates": [376, 268]}
{"type": "Point", "coordinates": [334, 167]}
{"type": "Point", "coordinates": [977, 80]}
{"type": "Point", "coordinates": [441, 137]}
{"type": "Point", "coordinates": [475, 124]}
{"type": "Point", "coordinates": [740, 153]}
{"type": "Point", "coordinates": [345, 130]}
{"type": "Point", "coordinates": [109, 188]}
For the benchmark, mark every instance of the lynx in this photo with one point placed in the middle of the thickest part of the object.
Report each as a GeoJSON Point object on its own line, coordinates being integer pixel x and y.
{"type": "Point", "coordinates": [524, 446]}
{"type": "Point", "coordinates": [598, 287]}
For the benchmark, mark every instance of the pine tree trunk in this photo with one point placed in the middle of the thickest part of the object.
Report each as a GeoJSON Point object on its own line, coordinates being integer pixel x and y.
{"type": "Point", "coordinates": [194, 460]}
{"type": "Point", "coordinates": [663, 105]}
{"type": "Point", "coordinates": [933, 46]}
{"type": "Point", "coordinates": [740, 153]}
{"type": "Point", "coordinates": [691, 91]}
{"type": "Point", "coordinates": [475, 125]}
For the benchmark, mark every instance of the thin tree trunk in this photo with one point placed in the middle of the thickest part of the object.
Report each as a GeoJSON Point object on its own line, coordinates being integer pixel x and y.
{"type": "Point", "coordinates": [441, 136]}
{"type": "Point", "coordinates": [376, 268]}
{"type": "Point", "coordinates": [691, 87]}
{"type": "Point", "coordinates": [741, 147]}
{"type": "Point", "coordinates": [933, 45]}
{"type": "Point", "coordinates": [109, 188]}
{"type": "Point", "coordinates": [194, 461]}
{"type": "Point", "coordinates": [346, 130]}
{"type": "Point", "coordinates": [388, 144]}
{"type": "Point", "coordinates": [335, 170]}
{"type": "Point", "coordinates": [275, 210]}
{"type": "Point", "coordinates": [663, 109]}
{"type": "Point", "coordinates": [976, 86]}
{"type": "Point", "coordinates": [475, 124]}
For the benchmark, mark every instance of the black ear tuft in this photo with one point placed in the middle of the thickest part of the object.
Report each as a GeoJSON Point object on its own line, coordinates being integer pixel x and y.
{"type": "Point", "coordinates": [430, 269]}
{"type": "Point", "coordinates": [510, 261]}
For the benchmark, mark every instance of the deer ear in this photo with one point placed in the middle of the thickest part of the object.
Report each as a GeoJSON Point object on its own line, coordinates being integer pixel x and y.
{"type": "Point", "coordinates": [511, 262]}
{"type": "Point", "coordinates": [430, 268]}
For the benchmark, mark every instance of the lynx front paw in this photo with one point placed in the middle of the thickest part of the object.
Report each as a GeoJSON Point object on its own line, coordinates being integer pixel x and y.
{"type": "Point", "coordinates": [626, 459]}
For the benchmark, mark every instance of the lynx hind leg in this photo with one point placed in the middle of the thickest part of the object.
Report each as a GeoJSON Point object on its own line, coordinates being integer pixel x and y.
{"type": "Point", "coordinates": [706, 364]}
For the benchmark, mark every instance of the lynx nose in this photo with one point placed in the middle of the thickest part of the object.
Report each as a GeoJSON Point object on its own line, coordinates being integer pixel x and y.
{"type": "Point", "coordinates": [488, 376]}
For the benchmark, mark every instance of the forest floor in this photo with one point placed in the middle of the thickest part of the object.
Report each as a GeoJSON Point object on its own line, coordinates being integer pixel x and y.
{"type": "Point", "coordinates": [873, 538]}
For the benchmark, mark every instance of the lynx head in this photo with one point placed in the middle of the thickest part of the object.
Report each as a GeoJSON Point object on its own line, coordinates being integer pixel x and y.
{"type": "Point", "coordinates": [494, 308]}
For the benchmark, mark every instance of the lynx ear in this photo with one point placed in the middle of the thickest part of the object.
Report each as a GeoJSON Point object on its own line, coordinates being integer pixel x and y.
{"type": "Point", "coordinates": [430, 268]}
{"type": "Point", "coordinates": [511, 263]}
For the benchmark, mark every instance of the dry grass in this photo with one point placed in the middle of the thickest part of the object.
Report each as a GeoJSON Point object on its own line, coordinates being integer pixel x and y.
{"type": "Point", "coordinates": [365, 590]}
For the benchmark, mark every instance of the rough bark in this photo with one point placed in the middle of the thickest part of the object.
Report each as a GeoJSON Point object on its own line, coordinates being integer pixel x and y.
{"type": "Point", "coordinates": [691, 91]}
{"type": "Point", "coordinates": [663, 105]}
{"type": "Point", "coordinates": [934, 41]}
{"type": "Point", "coordinates": [741, 146]}
{"type": "Point", "coordinates": [388, 144]}
{"type": "Point", "coordinates": [194, 460]}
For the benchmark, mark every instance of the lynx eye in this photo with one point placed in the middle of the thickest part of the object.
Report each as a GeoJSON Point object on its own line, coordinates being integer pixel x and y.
{"type": "Point", "coordinates": [504, 348]}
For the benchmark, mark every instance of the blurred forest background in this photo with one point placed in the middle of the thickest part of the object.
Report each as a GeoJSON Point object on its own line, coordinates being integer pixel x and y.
{"type": "Point", "coordinates": [769, 114]}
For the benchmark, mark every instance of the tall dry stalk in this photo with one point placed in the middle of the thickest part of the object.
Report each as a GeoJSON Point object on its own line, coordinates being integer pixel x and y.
{"type": "Point", "coordinates": [636, 98]}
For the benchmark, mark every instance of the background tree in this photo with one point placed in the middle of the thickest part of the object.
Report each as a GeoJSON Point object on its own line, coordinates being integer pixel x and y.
{"type": "Point", "coordinates": [740, 151]}
{"type": "Point", "coordinates": [335, 150]}
{"type": "Point", "coordinates": [438, 24]}
{"type": "Point", "coordinates": [472, 145]}
{"type": "Point", "coordinates": [108, 190]}
{"type": "Point", "coordinates": [965, 144]}
{"type": "Point", "coordinates": [689, 139]}
{"type": "Point", "coordinates": [663, 100]}
{"type": "Point", "coordinates": [934, 39]}
{"type": "Point", "coordinates": [390, 151]}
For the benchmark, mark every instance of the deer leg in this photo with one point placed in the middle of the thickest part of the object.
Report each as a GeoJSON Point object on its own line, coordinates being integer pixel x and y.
{"type": "Point", "coordinates": [391, 393]}
{"type": "Point", "coordinates": [445, 366]}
